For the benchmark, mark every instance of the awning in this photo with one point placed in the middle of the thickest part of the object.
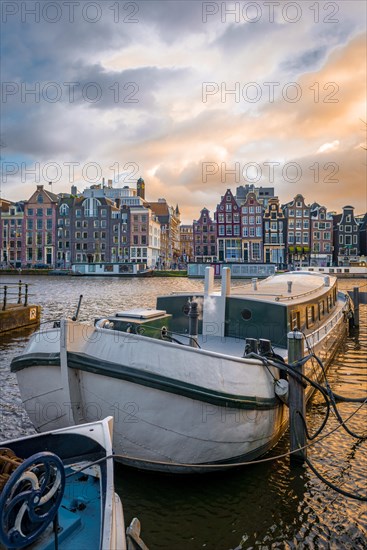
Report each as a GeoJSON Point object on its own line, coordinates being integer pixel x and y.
{"type": "Point", "coordinates": [291, 249]}
{"type": "Point", "coordinates": [299, 249]}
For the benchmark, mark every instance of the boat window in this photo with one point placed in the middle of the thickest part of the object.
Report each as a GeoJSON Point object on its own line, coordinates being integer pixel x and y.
{"type": "Point", "coordinates": [321, 309]}
{"type": "Point", "coordinates": [246, 314]}
{"type": "Point", "coordinates": [108, 268]}
{"type": "Point", "coordinates": [330, 302]}
{"type": "Point", "coordinates": [294, 320]}
{"type": "Point", "coordinates": [310, 316]}
{"type": "Point", "coordinates": [346, 270]}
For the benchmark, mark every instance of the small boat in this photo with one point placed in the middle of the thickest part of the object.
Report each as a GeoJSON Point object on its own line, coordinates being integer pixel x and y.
{"type": "Point", "coordinates": [111, 269]}
{"type": "Point", "coordinates": [57, 491]}
{"type": "Point", "coordinates": [185, 397]}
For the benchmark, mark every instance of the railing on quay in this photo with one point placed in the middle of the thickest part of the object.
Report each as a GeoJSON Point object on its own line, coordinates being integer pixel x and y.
{"type": "Point", "coordinates": [14, 294]}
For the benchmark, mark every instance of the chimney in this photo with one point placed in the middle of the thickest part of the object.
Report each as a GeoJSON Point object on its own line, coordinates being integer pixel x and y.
{"type": "Point", "coordinates": [109, 183]}
{"type": "Point", "coordinates": [117, 202]}
{"type": "Point", "coordinates": [39, 187]}
{"type": "Point", "coordinates": [73, 190]}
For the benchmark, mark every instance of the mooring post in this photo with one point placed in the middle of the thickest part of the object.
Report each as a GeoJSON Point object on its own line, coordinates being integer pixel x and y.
{"type": "Point", "coordinates": [26, 295]}
{"type": "Point", "coordinates": [19, 292]}
{"type": "Point", "coordinates": [193, 324]}
{"type": "Point", "coordinates": [4, 299]}
{"type": "Point", "coordinates": [297, 403]}
{"type": "Point", "coordinates": [356, 305]}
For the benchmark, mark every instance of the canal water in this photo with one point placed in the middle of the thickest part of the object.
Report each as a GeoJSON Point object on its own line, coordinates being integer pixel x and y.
{"type": "Point", "coordinates": [263, 506]}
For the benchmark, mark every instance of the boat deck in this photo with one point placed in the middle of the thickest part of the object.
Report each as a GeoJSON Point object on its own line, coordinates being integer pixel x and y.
{"type": "Point", "coordinates": [228, 346]}
{"type": "Point", "coordinates": [275, 289]}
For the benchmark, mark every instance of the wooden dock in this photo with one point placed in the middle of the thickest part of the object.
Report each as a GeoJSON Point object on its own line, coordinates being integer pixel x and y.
{"type": "Point", "coordinates": [15, 311]}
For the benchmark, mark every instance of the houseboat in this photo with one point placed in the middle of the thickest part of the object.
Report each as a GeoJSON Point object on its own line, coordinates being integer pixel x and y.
{"type": "Point", "coordinates": [238, 270]}
{"type": "Point", "coordinates": [112, 269]}
{"type": "Point", "coordinates": [347, 272]}
{"type": "Point", "coordinates": [184, 398]}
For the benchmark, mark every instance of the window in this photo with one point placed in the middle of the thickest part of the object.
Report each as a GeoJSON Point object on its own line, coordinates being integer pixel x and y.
{"type": "Point", "coordinates": [39, 212]}
{"type": "Point", "coordinates": [348, 228]}
{"type": "Point", "coordinates": [237, 231]}
{"type": "Point", "coordinates": [64, 210]}
{"type": "Point", "coordinates": [258, 210]}
{"type": "Point", "coordinates": [291, 213]}
{"type": "Point", "coordinates": [252, 220]}
{"type": "Point", "coordinates": [229, 218]}
{"type": "Point", "coordinates": [39, 224]}
{"type": "Point", "coordinates": [103, 212]}
{"type": "Point", "coordinates": [91, 207]}
{"type": "Point", "coordinates": [29, 224]}
{"type": "Point", "coordinates": [298, 213]}
{"type": "Point", "coordinates": [258, 232]}
{"type": "Point", "coordinates": [229, 230]}
{"type": "Point", "coordinates": [96, 223]}
{"type": "Point", "coordinates": [251, 209]}
{"type": "Point", "coordinates": [310, 316]}
{"type": "Point", "coordinates": [245, 232]}
{"type": "Point", "coordinates": [341, 240]}
{"type": "Point", "coordinates": [244, 210]}
{"type": "Point", "coordinates": [48, 224]}
{"type": "Point", "coordinates": [228, 208]}
{"type": "Point", "coordinates": [48, 211]}
{"type": "Point", "coordinates": [103, 223]}
{"type": "Point", "coordinates": [258, 220]}
{"type": "Point", "coordinates": [40, 199]}
{"type": "Point", "coordinates": [252, 232]}
{"type": "Point", "coordinates": [256, 255]}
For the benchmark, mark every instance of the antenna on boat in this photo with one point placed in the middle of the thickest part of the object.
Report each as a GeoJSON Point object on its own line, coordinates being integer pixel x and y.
{"type": "Point", "coordinates": [74, 318]}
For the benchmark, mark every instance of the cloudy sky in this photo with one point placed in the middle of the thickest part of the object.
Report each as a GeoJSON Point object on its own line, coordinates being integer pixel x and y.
{"type": "Point", "coordinates": [195, 97]}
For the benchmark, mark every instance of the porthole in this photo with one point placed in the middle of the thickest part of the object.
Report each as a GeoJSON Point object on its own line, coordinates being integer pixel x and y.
{"type": "Point", "coordinates": [246, 314]}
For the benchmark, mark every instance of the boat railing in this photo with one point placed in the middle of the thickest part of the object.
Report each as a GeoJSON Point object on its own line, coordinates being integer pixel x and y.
{"type": "Point", "coordinates": [294, 296]}
{"type": "Point", "coordinates": [319, 334]}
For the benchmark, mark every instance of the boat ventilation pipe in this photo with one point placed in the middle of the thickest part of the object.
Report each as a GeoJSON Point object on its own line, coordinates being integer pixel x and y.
{"type": "Point", "coordinates": [251, 346]}
{"type": "Point", "coordinates": [264, 347]}
{"type": "Point", "coordinates": [289, 283]}
{"type": "Point", "coordinates": [254, 283]}
{"type": "Point", "coordinates": [193, 324]}
{"type": "Point", "coordinates": [327, 280]}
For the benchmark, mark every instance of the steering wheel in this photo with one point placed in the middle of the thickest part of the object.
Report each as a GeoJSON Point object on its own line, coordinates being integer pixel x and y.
{"type": "Point", "coordinates": [30, 499]}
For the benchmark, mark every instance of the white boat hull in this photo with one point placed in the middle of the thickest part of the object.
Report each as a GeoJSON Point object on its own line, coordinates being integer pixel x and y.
{"type": "Point", "coordinates": [103, 372]}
